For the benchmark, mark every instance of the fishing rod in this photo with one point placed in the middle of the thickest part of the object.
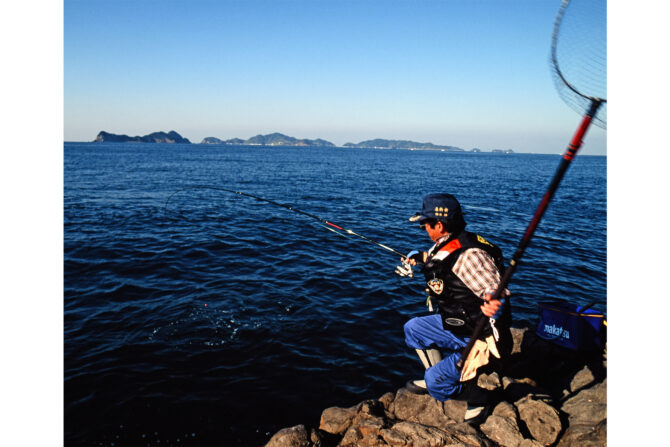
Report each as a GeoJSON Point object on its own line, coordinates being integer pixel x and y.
{"type": "Point", "coordinates": [327, 224]}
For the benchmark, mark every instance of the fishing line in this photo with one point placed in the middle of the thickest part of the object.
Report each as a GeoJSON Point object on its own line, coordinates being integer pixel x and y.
{"type": "Point", "coordinates": [337, 229]}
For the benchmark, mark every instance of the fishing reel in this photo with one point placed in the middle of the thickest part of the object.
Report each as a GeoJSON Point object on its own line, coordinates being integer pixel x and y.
{"type": "Point", "coordinates": [405, 269]}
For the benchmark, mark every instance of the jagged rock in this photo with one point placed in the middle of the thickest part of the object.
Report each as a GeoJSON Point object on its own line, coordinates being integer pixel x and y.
{"type": "Point", "coordinates": [502, 430]}
{"type": "Point", "coordinates": [351, 437]}
{"type": "Point", "coordinates": [589, 406]}
{"type": "Point", "coordinates": [407, 433]}
{"type": "Point", "coordinates": [517, 339]}
{"type": "Point", "coordinates": [317, 438]}
{"type": "Point", "coordinates": [455, 409]}
{"type": "Point", "coordinates": [527, 390]}
{"type": "Point", "coordinates": [585, 436]}
{"type": "Point", "coordinates": [386, 400]}
{"type": "Point", "coordinates": [489, 381]}
{"type": "Point", "coordinates": [506, 410]}
{"type": "Point", "coordinates": [420, 408]}
{"type": "Point", "coordinates": [541, 419]}
{"type": "Point", "coordinates": [296, 436]}
{"type": "Point", "coordinates": [363, 433]}
{"type": "Point", "coordinates": [516, 389]}
{"type": "Point", "coordinates": [337, 420]}
{"type": "Point", "coordinates": [530, 443]}
{"type": "Point", "coordinates": [364, 427]}
{"type": "Point", "coordinates": [465, 433]}
{"type": "Point", "coordinates": [581, 379]}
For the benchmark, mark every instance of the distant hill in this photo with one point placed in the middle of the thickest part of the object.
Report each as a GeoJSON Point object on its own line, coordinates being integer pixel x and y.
{"type": "Point", "coordinates": [156, 137]}
{"type": "Point", "coordinates": [273, 139]}
{"type": "Point", "coordinates": [400, 144]}
{"type": "Point", "coordinates": [278, 139]}
{"type": "Point", "coordinates": [211, 140]}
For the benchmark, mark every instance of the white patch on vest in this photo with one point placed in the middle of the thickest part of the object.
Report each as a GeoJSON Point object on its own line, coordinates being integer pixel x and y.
{"type": "Point", "coordinates": [436, 285]}
{"type": "Point", "coordinates": [454, 322]}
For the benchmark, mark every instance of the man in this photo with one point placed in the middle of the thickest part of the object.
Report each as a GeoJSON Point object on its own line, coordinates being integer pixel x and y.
{"type": "Point", "coordinates": [462, 271]}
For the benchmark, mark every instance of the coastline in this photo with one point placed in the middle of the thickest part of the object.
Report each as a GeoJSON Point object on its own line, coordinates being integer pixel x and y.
{"type": "Point", "coordinates": [544, 396]}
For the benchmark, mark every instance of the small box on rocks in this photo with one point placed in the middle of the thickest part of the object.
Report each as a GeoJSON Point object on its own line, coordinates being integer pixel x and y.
{"type": "Point", "coordinates": [567, 325]}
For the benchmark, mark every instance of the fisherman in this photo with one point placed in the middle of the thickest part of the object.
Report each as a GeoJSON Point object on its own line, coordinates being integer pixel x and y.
{"type": "Point", "coordinates": [462, 271]}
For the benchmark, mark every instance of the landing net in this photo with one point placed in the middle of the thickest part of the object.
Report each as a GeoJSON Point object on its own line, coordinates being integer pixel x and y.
{"type": "Point", "coordinates": [579, 56]}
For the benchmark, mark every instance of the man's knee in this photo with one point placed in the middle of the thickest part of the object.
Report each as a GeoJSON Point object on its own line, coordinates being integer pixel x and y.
{"type": "Point", "coordinates": [410, 334]}
{"type": "Point", "coordinates": [442, 383]}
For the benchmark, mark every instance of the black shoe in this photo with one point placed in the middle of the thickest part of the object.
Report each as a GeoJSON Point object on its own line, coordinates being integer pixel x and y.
{"type": "Point", "coordinates": [414, 388]}
{"type": "Point", "coordinates": [475, 415]}
{"type": "Point", "coordinates": [479, 403]}
{"type": "Point", "coordinates": [473, 395]}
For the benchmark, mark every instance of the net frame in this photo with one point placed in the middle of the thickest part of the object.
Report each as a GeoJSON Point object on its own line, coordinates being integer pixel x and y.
{"type": "Point", "coordinates": [579, 97]}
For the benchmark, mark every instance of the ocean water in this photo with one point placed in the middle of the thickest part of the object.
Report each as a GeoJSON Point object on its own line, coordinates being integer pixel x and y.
{"type": "Point", "coordinates": [216, 319]}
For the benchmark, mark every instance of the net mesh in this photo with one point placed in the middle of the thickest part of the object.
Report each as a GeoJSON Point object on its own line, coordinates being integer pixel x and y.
{"type": "Point", "coordinates": [579, 55]}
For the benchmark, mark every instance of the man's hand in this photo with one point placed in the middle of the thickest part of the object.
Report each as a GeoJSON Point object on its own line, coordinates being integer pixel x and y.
{"type": "Point", "coordinates": [490, 307]}
{"type": "Point", "coordinates": [412, 258]}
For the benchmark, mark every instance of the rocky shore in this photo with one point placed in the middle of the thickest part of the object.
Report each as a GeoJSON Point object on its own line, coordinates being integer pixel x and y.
{"type": "Point", "coordinates": [543, 396]}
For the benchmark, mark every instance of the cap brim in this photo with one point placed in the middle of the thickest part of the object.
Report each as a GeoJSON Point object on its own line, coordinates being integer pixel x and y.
{"type": "Point", "coordinates": [418, 217]}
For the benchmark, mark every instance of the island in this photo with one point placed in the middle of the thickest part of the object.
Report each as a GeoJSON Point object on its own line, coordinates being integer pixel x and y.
{"type": "Point", "coordinates": [155, 137]}
{"type": "Point", "coordinates": [278, 139]}
{"type": "Point", "coordinates": [273, 139]}
{"type": "Point", "coordinates": [400, 144]}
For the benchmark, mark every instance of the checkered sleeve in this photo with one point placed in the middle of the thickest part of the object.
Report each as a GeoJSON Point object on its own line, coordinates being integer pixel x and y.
{"type": "Point", "coordinates": [478, 271]}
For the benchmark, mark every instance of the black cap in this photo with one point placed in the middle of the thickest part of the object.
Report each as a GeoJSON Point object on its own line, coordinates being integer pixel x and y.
{"type": "Point", "coordinates": [442, 207]}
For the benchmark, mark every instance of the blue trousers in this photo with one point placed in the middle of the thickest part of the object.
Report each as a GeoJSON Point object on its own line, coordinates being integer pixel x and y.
{"type": "Point", "coordinates": [442, 379]}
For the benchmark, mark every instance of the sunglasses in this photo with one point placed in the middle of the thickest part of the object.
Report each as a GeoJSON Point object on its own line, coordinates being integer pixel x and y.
{"type": "Point", "coordinates": [423, 225]}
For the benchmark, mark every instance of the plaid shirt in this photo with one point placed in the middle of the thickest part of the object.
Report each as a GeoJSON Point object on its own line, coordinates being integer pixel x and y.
{"type": "Point", "coordinates": [475, 268]}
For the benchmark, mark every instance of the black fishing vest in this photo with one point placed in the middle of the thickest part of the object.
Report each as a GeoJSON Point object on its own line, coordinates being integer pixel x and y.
{"type": "Point", "coordinates": [457, 304]}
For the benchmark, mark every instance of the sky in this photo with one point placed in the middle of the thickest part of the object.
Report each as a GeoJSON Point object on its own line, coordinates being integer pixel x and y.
{"type": "Point", "coordinates": [461, 73]}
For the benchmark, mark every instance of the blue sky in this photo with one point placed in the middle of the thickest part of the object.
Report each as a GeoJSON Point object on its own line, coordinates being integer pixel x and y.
{"type": "Point", "coordinates": [463, 73]}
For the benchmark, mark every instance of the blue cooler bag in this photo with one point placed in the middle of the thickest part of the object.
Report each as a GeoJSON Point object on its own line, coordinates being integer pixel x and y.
{"type": "Point", "coordinates": [567, 325]}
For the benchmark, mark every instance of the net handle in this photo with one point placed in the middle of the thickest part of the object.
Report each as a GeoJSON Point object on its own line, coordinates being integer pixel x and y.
{"type": "Point", "coordinates": [563, 166]}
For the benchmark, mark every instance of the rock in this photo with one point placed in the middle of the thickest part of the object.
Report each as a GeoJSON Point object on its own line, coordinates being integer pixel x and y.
{"type": "Point", "coordinates": [336, 420]}
{"type": "Point", "coordinates": [517, 339]}
{"type": "Point", "coordinates": [527, 406]}
{"type": "Point", "coordinates": [364, 433]}
{"type": "Point", "coordinates": [387, 400]}
{"type": "Point", "coordinates": [455, 409]}
{"type": "Point", "coordinates": [516, 389]}
{"type": "Point", "coordinates": [489, 381]}
{"type": "Point", "coordinates": [530, 443]}
{"type": "Point", "coordinates": [465, 433]}
{"type": "Point", "coordinates": [541, 419]}
{"type": "Point", "coordinates": [290, 437]}
{"type": "Point", "coordinates": [421, 408]}
{"type": "Point", "coordinates": [585, 436]}
{"type": "Point", "coordinates": [502, 430]}
{"type": "Point", "coordinates": [589, 406]}
{"type": "Point", "coordinates": [581, 379]}
{"type": "Point", "coordinates": [506, 410]}
{"type": "Point", "coordinates": [351, 437]}
{"type": "Point", "coordinates": [407, 433]}
{"type": "Point", "coordinates": [317, 438]}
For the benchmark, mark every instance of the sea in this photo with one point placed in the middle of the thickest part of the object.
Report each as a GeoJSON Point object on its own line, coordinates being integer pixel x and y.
{"type": "Point", "coordinates": [194, 316]}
